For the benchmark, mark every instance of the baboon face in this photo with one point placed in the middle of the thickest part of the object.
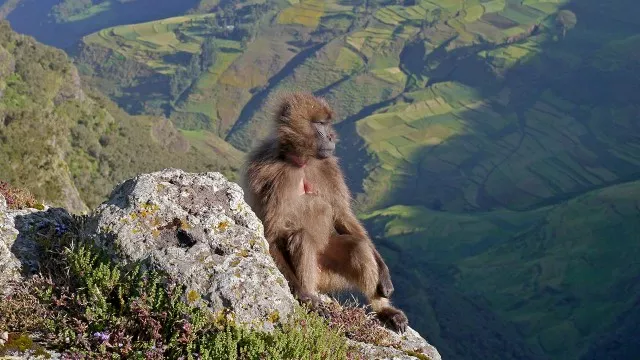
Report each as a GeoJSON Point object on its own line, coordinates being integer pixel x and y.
{"type": "Point", "coordinates": [325, 138]}
{"type": "Point", "coordinates": [304, 127]}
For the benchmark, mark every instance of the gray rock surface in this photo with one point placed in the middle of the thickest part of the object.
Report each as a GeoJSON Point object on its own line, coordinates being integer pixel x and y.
{"type": "Point", "coordinates": [18, 240]}
{"type": "Point", "coordinates": [70, 89]}
{"type": "Point", "coordinates": [26, 355]}
{"type": "Point", "coordinates": [410, 342]}
{"type": "Point", "coordinates": [198, 229]}
{"type": "Point", "coordinates": [7, 63]}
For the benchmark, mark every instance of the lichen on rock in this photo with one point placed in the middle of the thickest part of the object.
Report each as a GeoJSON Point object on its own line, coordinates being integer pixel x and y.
{"type": "Point", "coordinates": [197, 229]}
{"type": "Point", "coordinates": [410, 346]}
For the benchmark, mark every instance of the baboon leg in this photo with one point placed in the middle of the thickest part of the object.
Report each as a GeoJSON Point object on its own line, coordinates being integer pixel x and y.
{"type": "Point", "coordinates": [388, 314]}
{"type": "Point", "coordinates": [355, 260]}
{"type": "Point", "coordinates": [352, 259]}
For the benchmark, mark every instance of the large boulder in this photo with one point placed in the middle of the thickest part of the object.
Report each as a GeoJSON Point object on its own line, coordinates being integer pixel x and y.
{"type": "Point", "coordinates": [197, 229]}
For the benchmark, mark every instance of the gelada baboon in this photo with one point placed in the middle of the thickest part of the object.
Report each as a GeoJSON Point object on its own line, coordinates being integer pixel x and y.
{"type": "Point", "coordinates": [294, 184]}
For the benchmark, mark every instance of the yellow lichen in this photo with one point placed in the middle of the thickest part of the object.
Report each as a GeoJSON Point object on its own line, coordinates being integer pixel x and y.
{"type": "Point", "coordinates": [184, 224]}
{"type": "Point", "coordinates": [274, 317]}
{"type": "Point", "coordinates": [223, 225]}
{"type": "Point", "coordinates": [192, 296]}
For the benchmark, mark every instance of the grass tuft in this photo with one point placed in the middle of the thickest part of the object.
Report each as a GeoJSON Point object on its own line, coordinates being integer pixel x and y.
{"type": "Point", "coordinates": [357, 324]}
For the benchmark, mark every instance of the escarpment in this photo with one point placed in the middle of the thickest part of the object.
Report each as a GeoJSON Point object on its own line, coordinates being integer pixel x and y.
{"type": "Point", "coordinates": [196, 229]}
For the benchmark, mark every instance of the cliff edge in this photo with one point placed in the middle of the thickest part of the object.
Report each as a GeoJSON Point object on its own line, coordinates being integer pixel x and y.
{"type": "Point", "coordinates": [196, 231]}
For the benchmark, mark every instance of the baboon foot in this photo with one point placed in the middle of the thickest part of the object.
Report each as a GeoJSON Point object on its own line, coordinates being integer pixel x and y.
{"type": "Point", "coordinates": [313, 302]}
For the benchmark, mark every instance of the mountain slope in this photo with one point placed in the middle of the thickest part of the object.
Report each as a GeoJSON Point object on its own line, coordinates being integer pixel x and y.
{"type": "Point", "coordinates": [565, 275]}
{"type": "Point", "coordinates": [69, 145]}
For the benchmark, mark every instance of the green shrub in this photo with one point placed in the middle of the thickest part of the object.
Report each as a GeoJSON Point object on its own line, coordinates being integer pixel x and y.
{"type": "Point", "coordinates": [89, 307]}
{"type": "Point", "coordinates": [18, 198]}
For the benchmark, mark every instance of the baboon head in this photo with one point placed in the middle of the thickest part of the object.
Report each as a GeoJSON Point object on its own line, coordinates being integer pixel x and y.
{"type": "Point", "coordinates": [304, 130]}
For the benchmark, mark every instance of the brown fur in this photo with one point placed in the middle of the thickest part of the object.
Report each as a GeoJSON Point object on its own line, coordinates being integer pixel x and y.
{"type": "Point", "coordinates": [314, 237]}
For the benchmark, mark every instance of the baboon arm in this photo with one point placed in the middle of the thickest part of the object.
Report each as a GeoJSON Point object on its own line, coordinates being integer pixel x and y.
{"type": "Point", "coordinates": [347, 224]}
{"type": "Point", "coordinates": [268, 187]}
{"type": "Point", "coordinates": [284, 267]}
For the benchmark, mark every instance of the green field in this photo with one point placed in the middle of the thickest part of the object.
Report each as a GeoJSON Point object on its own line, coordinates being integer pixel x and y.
{"type": "Point", "coordinates": [151, 42]}
{"type": "Point", "coordinates": [304, 12]}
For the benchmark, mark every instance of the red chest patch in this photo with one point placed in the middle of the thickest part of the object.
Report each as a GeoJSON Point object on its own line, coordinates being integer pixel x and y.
{"type": "Point", "coordinates": [304, 187]}
{"type": "Point", "coordinates": [307, 186]}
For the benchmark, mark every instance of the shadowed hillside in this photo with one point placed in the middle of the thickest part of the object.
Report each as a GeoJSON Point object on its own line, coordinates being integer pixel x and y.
{"type": "Point", "coordinates": [526, 215]}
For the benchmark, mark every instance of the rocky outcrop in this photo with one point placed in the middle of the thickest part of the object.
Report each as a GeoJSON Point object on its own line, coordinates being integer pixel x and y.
{"type": "Point", "coordinates": [198, 230]}
{"type": "Point", "coordinates": [71, 89]}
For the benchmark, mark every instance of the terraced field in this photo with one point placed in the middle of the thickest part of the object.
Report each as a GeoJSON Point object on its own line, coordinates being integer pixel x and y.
{"type": "Point", "coordinates": [499, 138]}
{"type": "Point", "coordinates": [153, 42]}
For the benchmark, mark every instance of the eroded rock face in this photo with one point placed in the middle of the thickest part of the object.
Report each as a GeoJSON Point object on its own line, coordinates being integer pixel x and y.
{"type": "Point", "coordinates": [198, 229]}
{"type": "Point", "coordinates": [19, 251]}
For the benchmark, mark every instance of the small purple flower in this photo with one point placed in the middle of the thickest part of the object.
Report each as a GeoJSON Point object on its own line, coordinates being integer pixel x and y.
{"type": "Point", "coordinates": [60, 229]}
{"type": "Point", "coordinates": [102, 336]}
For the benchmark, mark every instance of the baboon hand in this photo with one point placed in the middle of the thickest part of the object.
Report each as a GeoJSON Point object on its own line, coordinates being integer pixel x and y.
{"type": "Point", "coordinates": [394, 319]}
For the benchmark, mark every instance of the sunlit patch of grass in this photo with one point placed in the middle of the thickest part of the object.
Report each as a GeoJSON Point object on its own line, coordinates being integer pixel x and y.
{"type": "Point", "coordinates": [90, 12]}
{"type": "Point", "coordinates": [305, 12]}
{"type": "Point", "coordinates": [391, 74]}
{"type": "Point", "coordinates": [149, 42]}
{"type": "Point", "coordinates": [493, 6]}
{"type": "Point", "coordinates": [348, 60]}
